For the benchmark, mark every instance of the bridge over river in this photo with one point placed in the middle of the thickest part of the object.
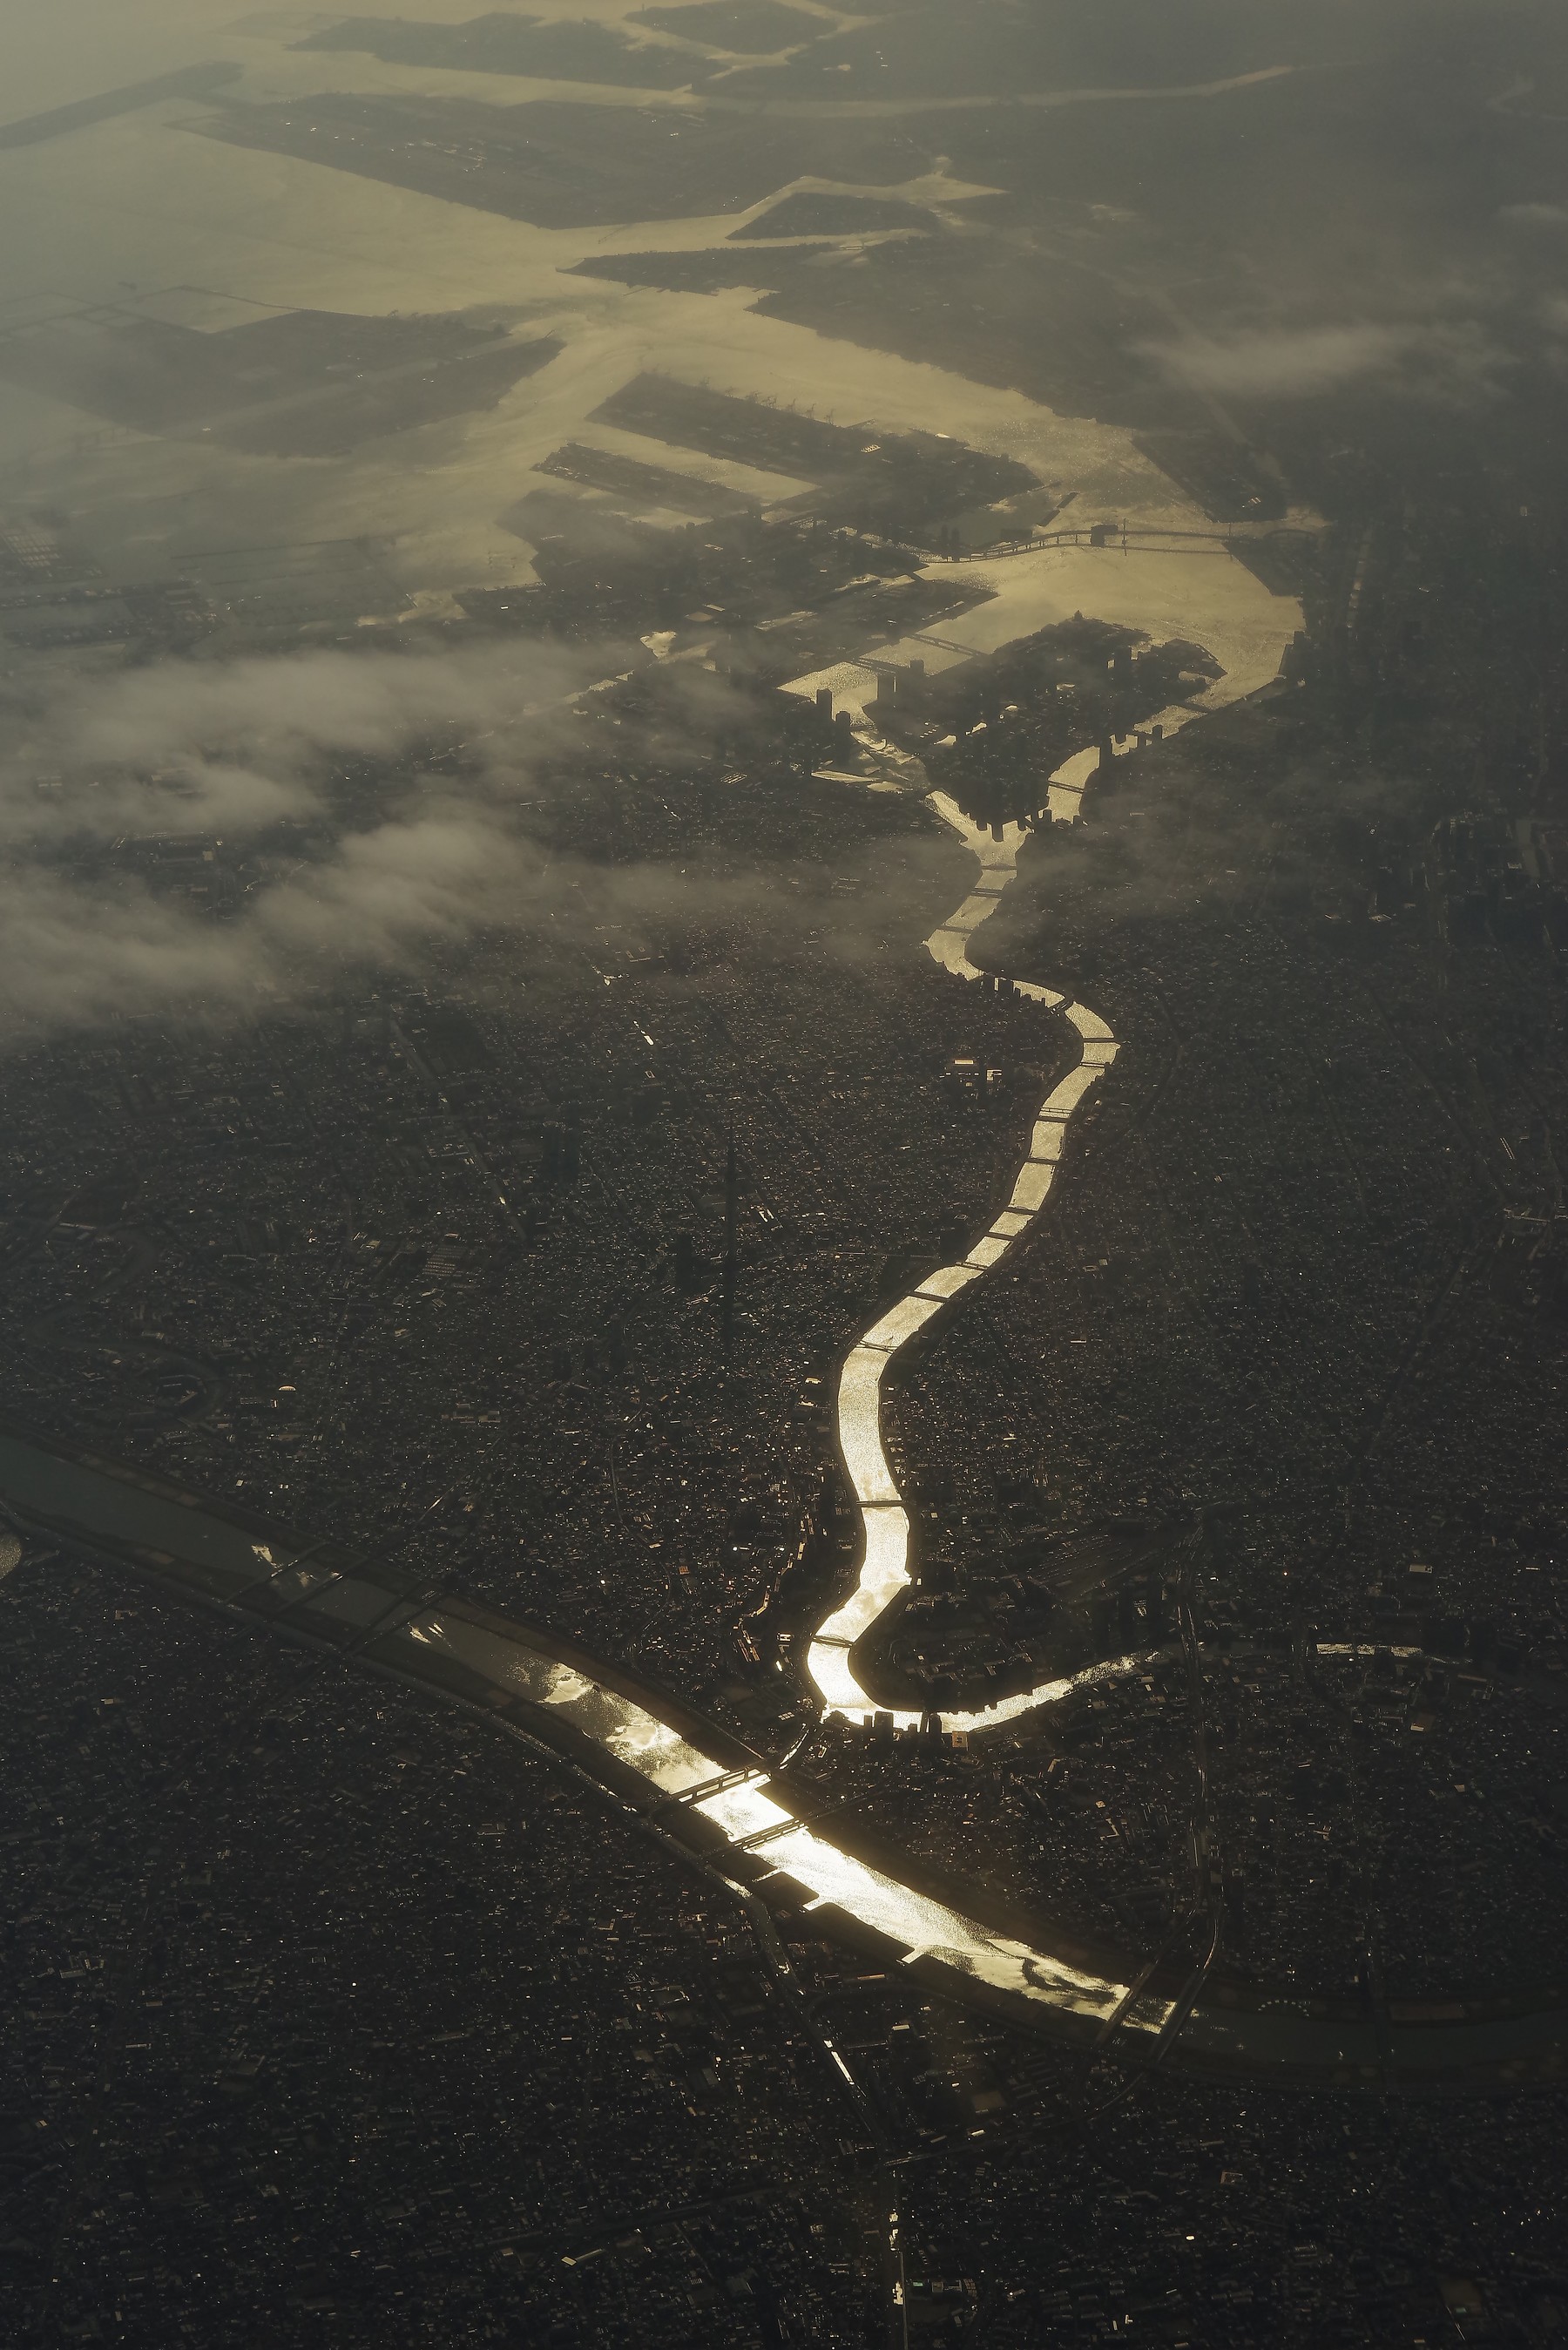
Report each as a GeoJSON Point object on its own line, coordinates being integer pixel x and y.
{"type": "Point", "coordinates": [696, 1787]}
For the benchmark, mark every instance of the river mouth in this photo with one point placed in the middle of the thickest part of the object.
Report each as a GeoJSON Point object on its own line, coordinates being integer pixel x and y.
{"type": "Point", "coordinates": [434, 502]}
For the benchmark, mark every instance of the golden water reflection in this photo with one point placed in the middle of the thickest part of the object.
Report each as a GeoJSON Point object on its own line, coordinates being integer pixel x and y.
{"type": "Point", "coordinates": [885, 1567]}
{"type": "Point", "coordinates": [918, 1924]}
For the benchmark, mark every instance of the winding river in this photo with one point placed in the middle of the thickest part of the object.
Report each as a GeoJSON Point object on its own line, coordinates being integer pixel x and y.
{"type": "Point", "coordinates": [1041, 583]}
{"type": "Point", "coordinates": [885, 1523]}
{"type": "Point", "coordinates": [694, 1784]}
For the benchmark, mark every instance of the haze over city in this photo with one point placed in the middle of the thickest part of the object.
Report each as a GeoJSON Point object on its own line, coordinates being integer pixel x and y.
{"type": "Point", "coordinates": [783, 897]}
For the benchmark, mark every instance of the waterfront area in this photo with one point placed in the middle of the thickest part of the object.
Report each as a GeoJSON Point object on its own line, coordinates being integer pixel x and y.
{"type": "Point", "coordinates": [713, 1793]}
{"type": "Point", "coordinates": [783, 869]}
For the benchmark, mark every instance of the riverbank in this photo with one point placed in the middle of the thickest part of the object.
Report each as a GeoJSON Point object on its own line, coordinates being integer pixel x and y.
{"type": "Point", "coordinates": [700, 1787]}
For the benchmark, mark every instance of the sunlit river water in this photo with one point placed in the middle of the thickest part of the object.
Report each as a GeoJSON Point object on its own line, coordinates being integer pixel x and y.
{"type": "Point", "coordinates": [751, 1828]}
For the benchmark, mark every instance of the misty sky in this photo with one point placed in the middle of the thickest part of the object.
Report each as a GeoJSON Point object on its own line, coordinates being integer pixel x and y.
{"type": "Point", "coordinates": [1377, 212]}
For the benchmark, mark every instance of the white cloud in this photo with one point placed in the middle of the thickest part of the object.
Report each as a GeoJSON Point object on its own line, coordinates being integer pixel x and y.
{"type": "Point", "coordinates": [1306, 362]}
{"type": "Point", "coordinates": [305, 705]}
{"type": "Point", "coordinates": [77, 952]}
{"type": "Point", "coordinates": [222, 751]}
{"type": "Point", "coordinates": [1550, 220]}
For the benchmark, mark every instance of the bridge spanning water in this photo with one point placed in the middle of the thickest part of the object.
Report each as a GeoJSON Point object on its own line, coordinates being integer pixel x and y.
{"type": "Point", "coordinates": [695, 1785]}
{"type": "Point", "coordinates": [698, 1789]}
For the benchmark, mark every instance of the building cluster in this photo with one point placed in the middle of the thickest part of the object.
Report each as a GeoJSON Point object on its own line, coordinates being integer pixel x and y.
{"type": "Point", "coordinates": [476, 1233]}
{"type": "Point", "coordinates": [537, 1271]}
{"type": "Point", "coordinates": [1381, 1827]}
{"type": "Point", "coordinates": [992, 731]}
{"type": "Point", "coordinates": [333, 2017]}
{"type": "Point", "coordinates": [570, 1239]}
{"type": "Point", "coordinates": [331, 2011]}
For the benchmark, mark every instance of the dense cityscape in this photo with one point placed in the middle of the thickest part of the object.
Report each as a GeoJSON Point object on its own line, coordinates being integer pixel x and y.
{"type": "Point", "coordinates": [785, 869]}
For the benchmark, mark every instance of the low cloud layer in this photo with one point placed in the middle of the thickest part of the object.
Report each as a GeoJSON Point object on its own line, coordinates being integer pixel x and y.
{"type": "Point", "coordinates": [225, 752]}
{"type": "Point", "coordinates": [1536, 220]}
{"type": "Point", "coordinates": [75, 955]}
{"type": "Point", "coordinates": [112, 784]}
{"type": "Point", "coordinates": [197, 747]}
{"type": "Point", "coordinates": [304, 706]}
{"type": "Point", "coordinates": [1306, 362]}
